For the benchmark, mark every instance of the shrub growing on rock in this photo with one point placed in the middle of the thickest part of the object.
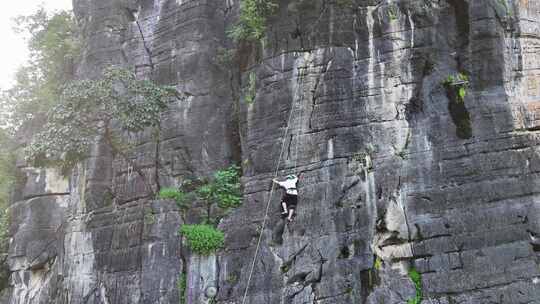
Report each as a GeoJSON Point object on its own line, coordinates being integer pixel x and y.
{"type": "Point", "coordinates": [222, 190]}
{"type": "Point", "coordinates": [174, 194]}
{"type": "Point", "coordinates": [203, 239]}
{"type": "Point", "coordinates": [253, 19]}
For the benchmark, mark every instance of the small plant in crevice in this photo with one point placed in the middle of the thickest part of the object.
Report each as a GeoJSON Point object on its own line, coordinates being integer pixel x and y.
{"type": "Point", "coordinates": [232, 278]}
{"type": "Point", "coordinates": [416, 278]}
{"type": "Point", "coordinates": [251, 90]}
{"type": "Point", "coordinates": [203, 239]}
{"type": "Point", "coordinates": [182, 286]}
{"type": "Point", "coordinates": [456, 91]}
{"type": "Point", "coordinates": [174, 194]}
{"type": "Point", "coordinates": [456, 86]}
{"type": "Point", "coordinates": [393, 12]}
{"type": "Point", "coordinates": [378, 263]}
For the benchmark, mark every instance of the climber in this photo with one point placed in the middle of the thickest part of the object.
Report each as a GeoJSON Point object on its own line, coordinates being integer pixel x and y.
{"type": "Point", "coordinates": [290, 196]}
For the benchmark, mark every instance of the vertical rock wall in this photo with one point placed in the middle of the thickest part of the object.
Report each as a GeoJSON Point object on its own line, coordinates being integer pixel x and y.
{"type": "Point", "coordinates": [390, 180]}
{"type": "Point", "coordinates": [395, 172]}
{"type": "Point", "coordinates": [111, 243]}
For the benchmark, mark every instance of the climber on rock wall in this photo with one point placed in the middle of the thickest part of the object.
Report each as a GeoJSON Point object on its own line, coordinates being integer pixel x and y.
{"type": "Point", "coordinates": [289, 199]}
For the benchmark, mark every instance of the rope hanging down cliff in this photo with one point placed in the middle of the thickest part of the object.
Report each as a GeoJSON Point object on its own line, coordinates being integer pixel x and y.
{"type": "Point", "coordinates": [273, 188]}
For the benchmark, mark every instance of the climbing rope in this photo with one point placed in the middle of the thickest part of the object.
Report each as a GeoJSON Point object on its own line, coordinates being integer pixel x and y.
{"type": "Point", "coordinates": [300, 126]}
{"type": "Point", "coordinates": [270, 199]}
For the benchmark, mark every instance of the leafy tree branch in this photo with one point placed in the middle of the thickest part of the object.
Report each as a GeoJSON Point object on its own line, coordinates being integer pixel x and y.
{"type": "Point", "coordinates": [103, 108]}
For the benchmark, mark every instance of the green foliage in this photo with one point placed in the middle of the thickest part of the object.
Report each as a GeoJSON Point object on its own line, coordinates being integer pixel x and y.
{"type": "Point", "coordinates": [449, 80]}
{"type": "Point", "coordinates": [182, 286]}
{"type": "Point", "coordinates": [253, 19]}
{"type": "Point", "coordinates": [203, 239]}
{"type": "Point", "coordinates": [456, 91]}
{"type": "Point", "coordinates": [7, 180]}
{"type": "Point", "coordinates": [232, 278]}
{"type": "Point", "coordinates": [457, 83]}
{"type": "Point", "coordinates": [416, 278]}
{"type": "Point", "coordinates": [251, 89]}
{"type": "Point", "coordinates": [54, 44]}
{"type": "Point", "coordinates": [174, 194]}
{"type": "Point", "coordinates": [378, 263]}
{"type": "Point", "coordinates": [393, 11]}
{"type": "Point", "coordinates": [223, 190]}
{"type": "Point", "coordinates": [462, 93]}
{"type": "Point", "coordinates": [87, 110]}
{"type": "Point", "coordinates": [7, 168]}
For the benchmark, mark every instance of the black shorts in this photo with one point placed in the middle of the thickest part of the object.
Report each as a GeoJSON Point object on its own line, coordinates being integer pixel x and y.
{"type": "Point", "coordinates": [290, 200]}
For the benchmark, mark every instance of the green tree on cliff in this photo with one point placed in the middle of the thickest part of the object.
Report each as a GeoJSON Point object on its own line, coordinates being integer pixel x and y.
{"type": "Point", "coordinates": [102, 109]}
{"type": "Point", "coordinates": [75, 113]}
{"type": "Point", "coordinates": [7, 179]}
{"type": "Point", "coordinates": [7, 164]}
{"type": "Point", "coordinates": [54, 44]}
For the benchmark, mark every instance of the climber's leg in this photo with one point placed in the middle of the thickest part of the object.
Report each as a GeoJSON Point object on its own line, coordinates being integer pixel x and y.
{"type": "Point", "coordinates": [284, 205]}
{"type": "Point", "coordinates": [292, 200]}
{"type": "Point", "coordinates": [291, 213]}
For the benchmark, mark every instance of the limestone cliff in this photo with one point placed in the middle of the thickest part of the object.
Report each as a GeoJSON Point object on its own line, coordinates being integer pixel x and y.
{"type": "Point", "coordinates": [397, 170]}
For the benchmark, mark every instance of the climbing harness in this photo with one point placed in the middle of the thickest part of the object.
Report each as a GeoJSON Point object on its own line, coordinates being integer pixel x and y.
{"type": "Point", "coordinates": [273, 187]}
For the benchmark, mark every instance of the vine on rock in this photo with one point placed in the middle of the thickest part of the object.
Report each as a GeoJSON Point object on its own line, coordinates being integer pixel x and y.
{"type": "Point", "coordinates": [203, 239]}
{"type": "Point", "coordinates": [416, 278]}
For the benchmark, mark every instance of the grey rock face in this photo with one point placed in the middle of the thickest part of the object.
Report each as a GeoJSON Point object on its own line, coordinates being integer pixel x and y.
{"type": "Point", "coordinates": [116, 245]}
{"type": "Point", "coordinates": [385, 173]}
{"type": "Point", "coordinates": [395, 171]}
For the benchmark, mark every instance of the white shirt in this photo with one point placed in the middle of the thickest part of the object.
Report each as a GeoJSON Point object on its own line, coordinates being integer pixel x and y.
{"type": "Point", "coordinates": [289, 185]}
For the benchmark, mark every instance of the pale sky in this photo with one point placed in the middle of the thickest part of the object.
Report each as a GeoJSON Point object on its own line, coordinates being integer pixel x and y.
{"type": "Point", "coordinates": [13, 52]}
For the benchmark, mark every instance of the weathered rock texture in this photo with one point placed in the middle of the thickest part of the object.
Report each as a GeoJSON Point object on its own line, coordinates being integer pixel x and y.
{"type": "Point", "coordinates": [395, 172]}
